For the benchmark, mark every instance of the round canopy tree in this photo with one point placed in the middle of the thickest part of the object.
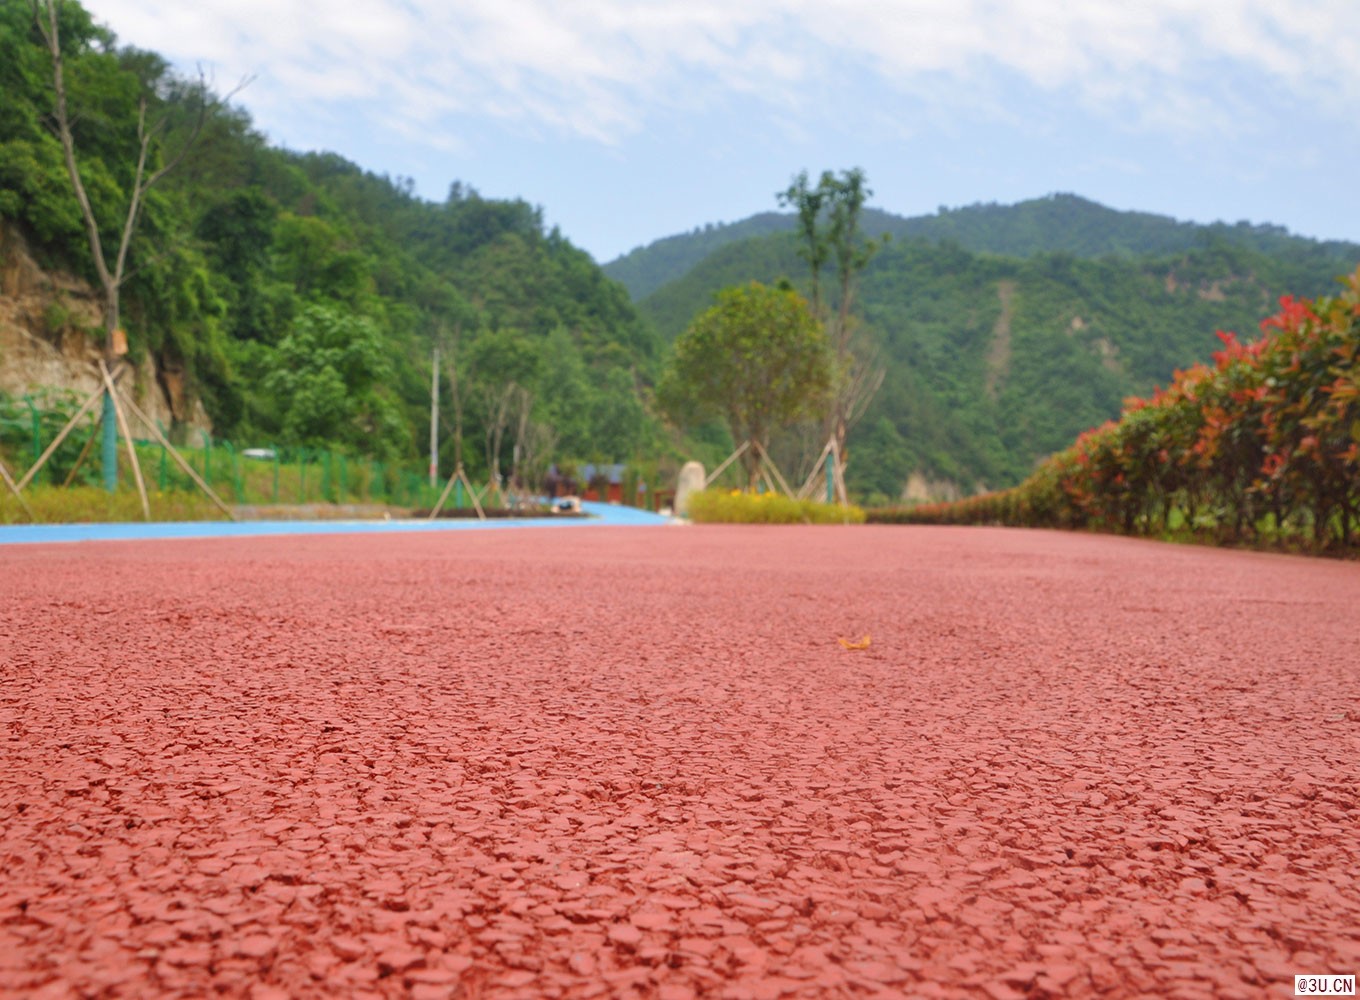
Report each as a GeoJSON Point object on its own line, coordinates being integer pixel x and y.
{"type": "Point", "coordinates": [758, 359]}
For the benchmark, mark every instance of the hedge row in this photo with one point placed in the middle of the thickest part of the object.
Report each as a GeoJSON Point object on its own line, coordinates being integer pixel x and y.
{"type": "Point", "coordinates": [1266, 440]}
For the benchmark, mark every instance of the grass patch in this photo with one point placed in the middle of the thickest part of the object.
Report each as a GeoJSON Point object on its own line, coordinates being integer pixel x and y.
{"type": "Point", "coordinates": [92, 504]}
{"type": "Point", "coordinates": [735, 507]}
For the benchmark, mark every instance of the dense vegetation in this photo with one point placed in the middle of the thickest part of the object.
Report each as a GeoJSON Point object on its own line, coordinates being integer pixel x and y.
{"type": "Point", "coordinates": [1262, 445]}
{"type": "Point", "coordinates": [299, 296]}
{"type": "Point", "coordinates": [994, 362]}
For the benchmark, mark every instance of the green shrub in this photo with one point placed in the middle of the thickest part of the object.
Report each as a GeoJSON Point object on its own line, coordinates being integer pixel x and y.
{"type": "Point", "coordinates": [736, 507]}
{"type": "Point", "coordinates": [56, 317]}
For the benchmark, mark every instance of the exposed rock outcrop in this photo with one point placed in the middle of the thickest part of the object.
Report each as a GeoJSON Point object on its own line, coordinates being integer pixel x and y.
{"type": "Point", "coordinates": [919, 489]}
{"type": "Point", "coordinates": [50, 341]}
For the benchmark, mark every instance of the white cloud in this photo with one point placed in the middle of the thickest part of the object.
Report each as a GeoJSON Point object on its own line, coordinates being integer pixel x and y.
{"type": "Point", "coordinates": [602, 68]}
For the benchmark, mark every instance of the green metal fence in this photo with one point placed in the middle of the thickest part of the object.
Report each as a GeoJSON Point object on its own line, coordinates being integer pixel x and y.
{"type": "Point", "coordinates": [263, 475]}
{"type": "Point", "coordinates": [289, 476]}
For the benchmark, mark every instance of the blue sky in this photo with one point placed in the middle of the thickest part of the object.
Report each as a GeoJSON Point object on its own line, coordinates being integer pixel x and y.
{"type": "Point", "coordinates": [630, 120]}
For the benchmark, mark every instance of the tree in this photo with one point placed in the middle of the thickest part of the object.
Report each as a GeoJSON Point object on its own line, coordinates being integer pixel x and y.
{"type": "Point", "coordinates": [456, 395]}
{"type": "Point", "coordinates": [329, 383]}
{"type": "Point", "coordinates": [503, 404]}
{"type": "Point", "coordinates": [150, 166]}
{"type": "Point", "coordinates": [828, 223]}
{"type": "Point", "coordinates": [757, 358]}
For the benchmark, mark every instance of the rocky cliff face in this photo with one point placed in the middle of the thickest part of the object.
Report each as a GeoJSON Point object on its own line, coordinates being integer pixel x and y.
{"type": "Point", "coordinates": [50, 329]}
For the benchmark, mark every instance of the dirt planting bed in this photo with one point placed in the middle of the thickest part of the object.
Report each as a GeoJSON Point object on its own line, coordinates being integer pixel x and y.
{"type": "Point", "coordinates": [640, 763]}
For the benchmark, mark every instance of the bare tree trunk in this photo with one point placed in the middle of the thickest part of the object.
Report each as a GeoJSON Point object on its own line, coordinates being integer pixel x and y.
{"type": "Point", "coordinates": [434, 418]}
{"type": "Point", "coordinates": [523, 403]}
{"type": "Point", "coordinates": [500, 408]}
{"type": "Point", "coordinates": [534, 441]}
{"type": "Point", "coordinates": [45, 15]}
{"type": "Point", "coordinates": [751, 458]}
{"type": "Point", "coordinates": [861, 378]}
{"type": "Point", "coordinates": [800, 447]}
{"type": "Point", "coordinates": [456, 399]}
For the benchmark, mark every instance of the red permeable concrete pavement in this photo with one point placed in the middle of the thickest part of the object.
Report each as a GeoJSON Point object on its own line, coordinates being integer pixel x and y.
{"type": "Point", "coordinates": [630, 762]}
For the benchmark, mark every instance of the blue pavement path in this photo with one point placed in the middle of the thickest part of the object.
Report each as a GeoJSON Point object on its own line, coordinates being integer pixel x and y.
{"type": "Point", "coordinates": [601, 515]}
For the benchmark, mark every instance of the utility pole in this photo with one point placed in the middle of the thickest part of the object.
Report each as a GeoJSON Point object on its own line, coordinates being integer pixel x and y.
{"type": "Point", "coordinates": [434, 418]}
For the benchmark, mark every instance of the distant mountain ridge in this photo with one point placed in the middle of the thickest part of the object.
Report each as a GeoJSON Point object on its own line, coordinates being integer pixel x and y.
{"type": "Point", "coordinates": [645, 269]}
{"type": "Point", "coordinates": [1057, 223]}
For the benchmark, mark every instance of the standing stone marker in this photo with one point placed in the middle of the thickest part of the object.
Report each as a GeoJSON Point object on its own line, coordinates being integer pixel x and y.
{"type": "Point", "coordinates": [691, 481]}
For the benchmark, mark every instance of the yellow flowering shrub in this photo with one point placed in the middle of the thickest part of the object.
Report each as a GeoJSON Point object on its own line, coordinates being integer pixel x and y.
{"type": "Point", "coordinates": [737, 507]}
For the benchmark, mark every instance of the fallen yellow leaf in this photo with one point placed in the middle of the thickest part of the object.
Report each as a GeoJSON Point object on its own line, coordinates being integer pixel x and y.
{"type": "Point", "coordinates": [852, 644]}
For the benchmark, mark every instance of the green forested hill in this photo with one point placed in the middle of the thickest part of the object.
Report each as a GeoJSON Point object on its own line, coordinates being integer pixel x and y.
{"type": "Point", "coordinates": [995, 361]}
{"type": "Point", "coordinates": [1060, 223]}
{"type": "Point", "coordinates": [298, 295]}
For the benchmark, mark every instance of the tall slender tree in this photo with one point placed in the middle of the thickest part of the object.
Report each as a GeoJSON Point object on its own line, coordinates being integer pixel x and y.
{"type": "Point", "coordinates": [829, 217]}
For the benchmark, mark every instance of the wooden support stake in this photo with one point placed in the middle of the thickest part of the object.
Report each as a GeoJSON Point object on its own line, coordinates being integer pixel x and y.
{"type": "Point", "coordinates": [476, 501]}
{"type": "Point", "coordinates": [709, 481]}
{"type": "Point", "coordinates": [771, 469]}
{"type": "Point", "coordinates": [14, 488]}
{"type": "Point", "coordinates": [56, 442]}
{"type": "Point", "coordinates": [458, 476]}
{"type": "Point", "coordinates": [493, 486]}
{"type": "Point", "coordinates": [842, 497]}
{"type": "Point", "coordinates": [448, 488]}
{"type": "Point", "coordinates": [811, 483]}
{"type": "Point", "coordinates": [127, 437]}
{"type": "Point", "coordinates": [80, 459]}
{"type": "Point", "coordinates": [179, 459]}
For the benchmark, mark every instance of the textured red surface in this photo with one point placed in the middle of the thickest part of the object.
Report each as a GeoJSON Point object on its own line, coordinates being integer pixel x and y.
{"type": "Point", "coordinates": [638, 762]}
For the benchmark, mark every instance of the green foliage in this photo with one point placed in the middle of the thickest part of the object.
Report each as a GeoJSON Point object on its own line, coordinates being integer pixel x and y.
{"type": "Point", "coordinates": [740, 507]}
{"type": "Point", "coordinates": [884, 455]}
{"type": "Point", "coordinates": [619, 421]}
{"type": "Point", "coordinates": [34, 188]}
{"type": "Point", "coordinates": [829, 217]}
{"type": "Point", "coordinates": [507, 353]}
{"type": "Point", "coordinates": [328, 383]}
{"type": "Point", "coordinates": [757, 358]}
